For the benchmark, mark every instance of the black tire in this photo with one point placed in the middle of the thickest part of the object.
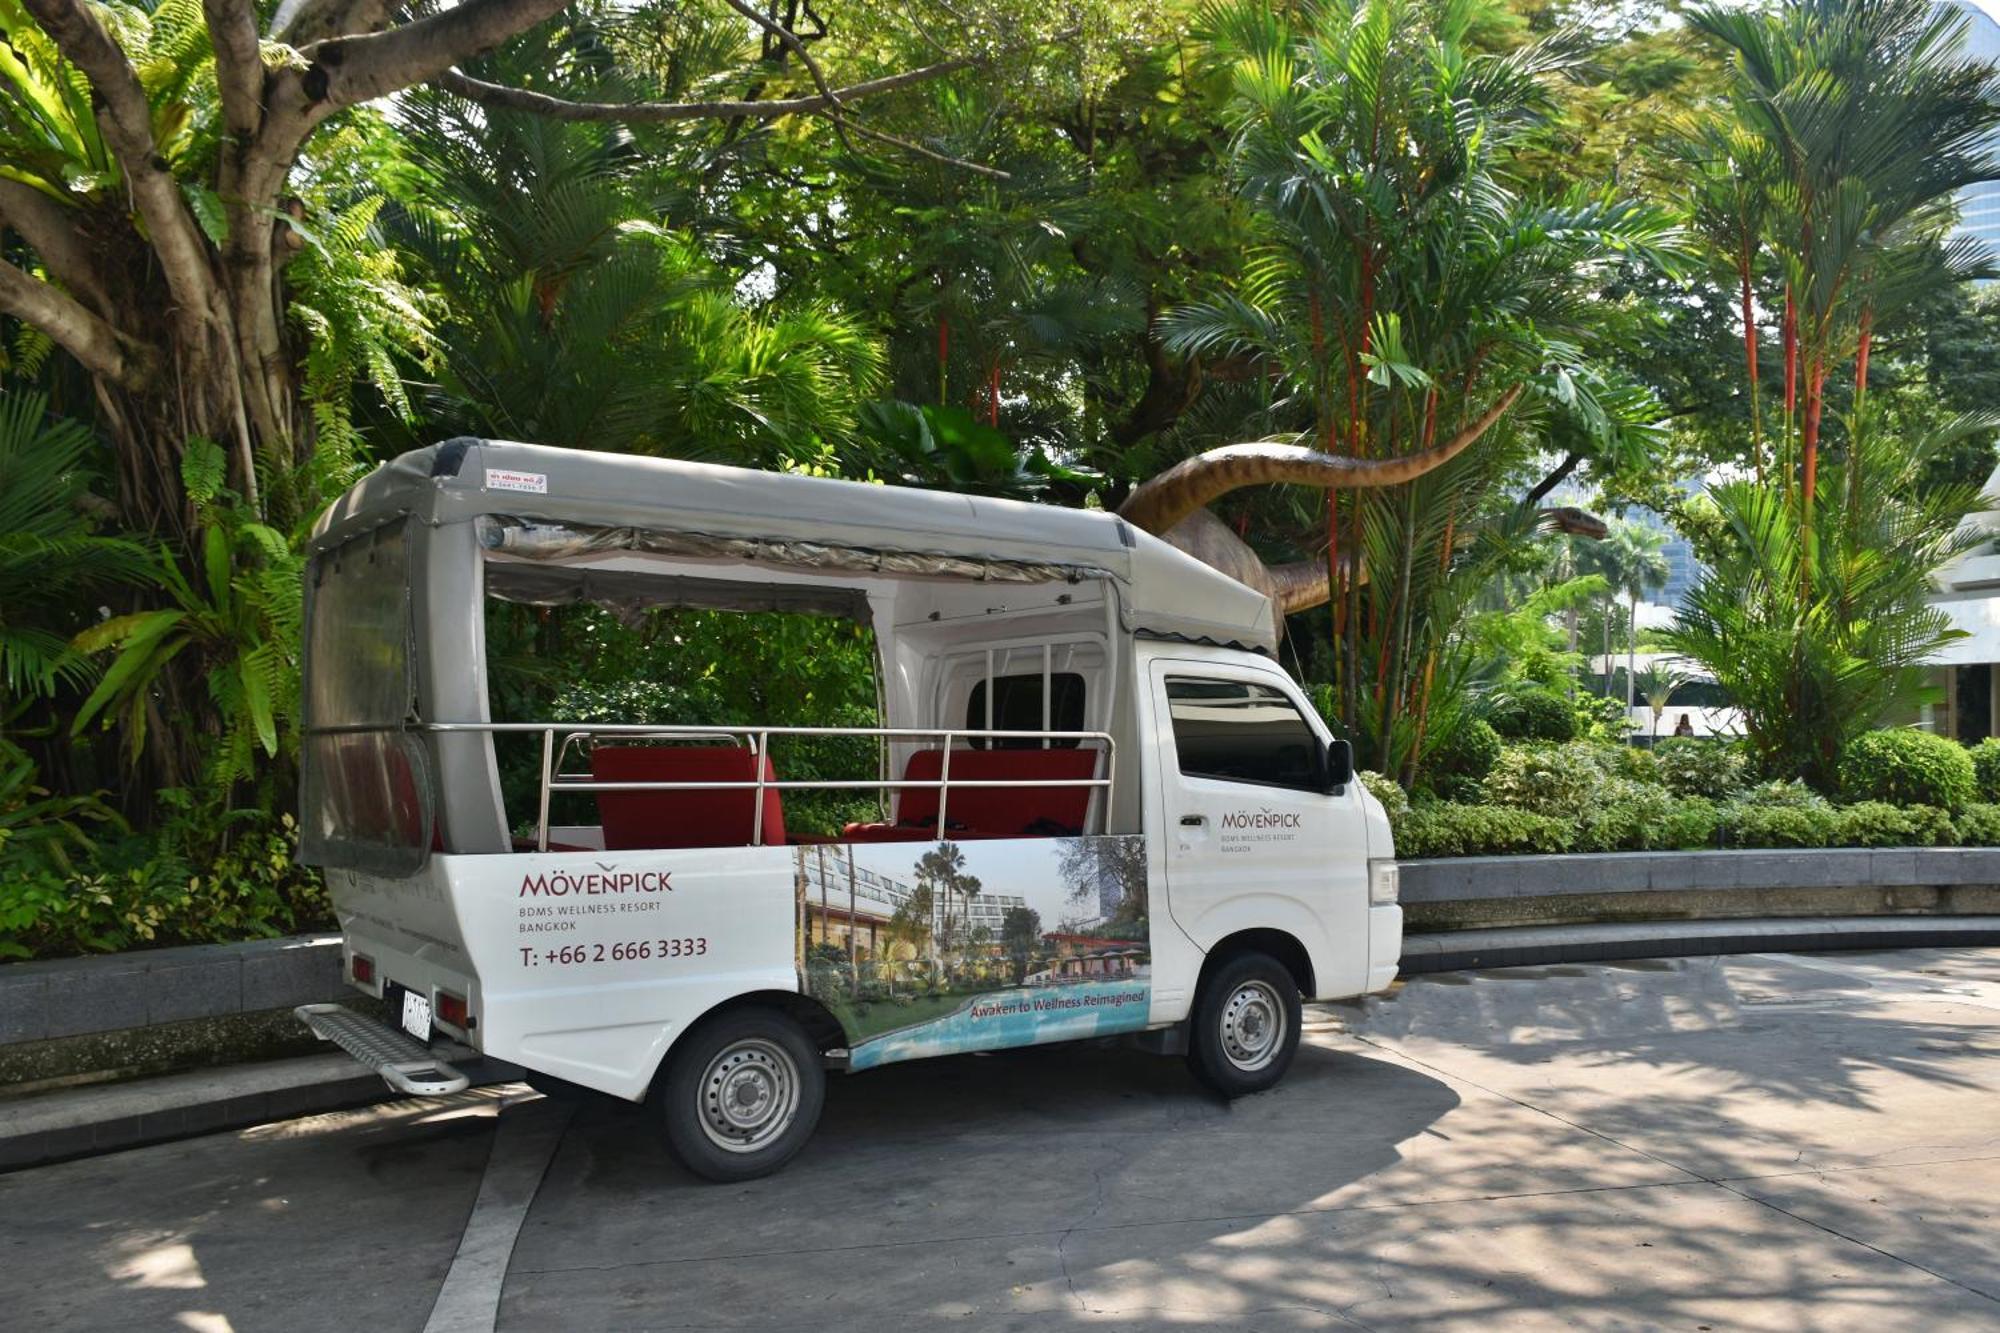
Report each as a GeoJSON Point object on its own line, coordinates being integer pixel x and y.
{"type": "Point", "coordinates": [1232, 1046]}
{"type": "Point", "coordinates": [740, 1095]}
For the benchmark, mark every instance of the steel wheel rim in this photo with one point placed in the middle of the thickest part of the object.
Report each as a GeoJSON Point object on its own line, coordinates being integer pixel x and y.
{"type": "Point", "coordinates": [1253, 1026]}
{"type": "Point", "coordinates": [749, 1095]}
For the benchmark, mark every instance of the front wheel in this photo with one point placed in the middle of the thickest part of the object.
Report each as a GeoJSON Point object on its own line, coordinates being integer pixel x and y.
{"type": "Point", "coordinates": [1245, 1026]}
{"type": "Point", "coordinates": [741, 1095]}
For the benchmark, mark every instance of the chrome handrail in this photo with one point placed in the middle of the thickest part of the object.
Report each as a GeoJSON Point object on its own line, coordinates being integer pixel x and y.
{"type": "Point", "coordinates": [759, 743]}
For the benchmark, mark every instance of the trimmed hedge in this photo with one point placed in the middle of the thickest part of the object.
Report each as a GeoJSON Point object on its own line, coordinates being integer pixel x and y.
{"type": "Point", "coordinates": [1876, 824]}
{"type": "Point", "coordinates": [1469, 753]}
{"type": "Point", "coordinates": [1978, 825]}
{"type": "Point", "coordinates": [1634, 817]}
{"type": "Point", "coordinates": [1533, 715]}
{"type": "Point", "coordinates": [1907, 767]}
{"type": "Point", "coordinates": [1986, 768]}
{"type": "Point", "coordinates": [1594, 796]}
{"type": "Point", "coordinates": [1779, 826]}
{"type": "Point", "coordinates": [1447, 828]}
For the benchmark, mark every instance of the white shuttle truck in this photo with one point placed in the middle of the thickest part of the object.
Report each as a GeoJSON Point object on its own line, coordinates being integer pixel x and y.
{"type": "Point", "coordinates": [1104, 808]}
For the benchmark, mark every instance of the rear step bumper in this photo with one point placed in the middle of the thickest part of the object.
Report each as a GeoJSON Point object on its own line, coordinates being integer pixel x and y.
{"type": "Point", "coordinates": [397, 1057]}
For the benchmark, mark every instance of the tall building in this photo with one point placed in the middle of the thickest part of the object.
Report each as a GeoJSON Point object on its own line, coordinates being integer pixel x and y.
{"type": "Point", "coordinates": [1979, 205]}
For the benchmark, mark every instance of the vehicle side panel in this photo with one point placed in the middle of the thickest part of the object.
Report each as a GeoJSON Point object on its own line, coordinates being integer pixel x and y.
{"type": "Point", "coordinates": [584, 965]}
{"type": "Point", "coordinates": [979, 944]}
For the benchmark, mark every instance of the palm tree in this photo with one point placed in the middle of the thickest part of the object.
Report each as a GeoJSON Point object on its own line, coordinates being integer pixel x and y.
{"type": "Point", "coordinates": [1637, 556]}
{"type": "Point", "coordinates": [1808, 676]}
{"type": "Point", "coordinates": [1405, 307]}
{"type": "Point", "coordinates": [1658, 683]}
{"type": "Point", "coordinates": [1853, 125]}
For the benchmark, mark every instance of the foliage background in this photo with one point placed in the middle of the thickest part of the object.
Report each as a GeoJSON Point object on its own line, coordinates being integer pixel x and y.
{"type": "Point", "coordinates": [1119, 236]}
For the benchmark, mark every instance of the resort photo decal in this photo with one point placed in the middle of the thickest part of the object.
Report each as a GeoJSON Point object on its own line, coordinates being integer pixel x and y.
{"type": "Point", "coordinates": [934, 948]}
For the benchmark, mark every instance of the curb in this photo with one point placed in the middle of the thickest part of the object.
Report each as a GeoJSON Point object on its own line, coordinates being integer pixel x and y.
{"type": "Point", "coordinates": [71, 997]}
{"type": "Point", "coordinates": [1518, 946]}
{"type": "Point", "coordinates": [43, 1128]}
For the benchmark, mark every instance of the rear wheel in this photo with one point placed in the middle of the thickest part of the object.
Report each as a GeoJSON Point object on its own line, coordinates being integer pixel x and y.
{"type": "Point", "coordinates": [741, 1095]}
{"type": "Point", "coordinates": [1245, 1026]}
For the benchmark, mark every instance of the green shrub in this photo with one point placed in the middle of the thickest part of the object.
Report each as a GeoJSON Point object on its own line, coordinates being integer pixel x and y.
{"type": "Point", "coordinates": [1749, 825]}
{"type": "Point", "coordinates": [1467, 755]}
{"type": "Point", "coordinates": [1602, 718]}
{"type": "Point", "coordinates": [1907, 767]}
{"type": "Point", "coordinates": [1532, 715]}
{"type": "Point", "coordinates": [1788, 793]}
{"type": "Point", "coordinates": [1875, 824]}
{"type": "Point", "coordinates": [1690, 823]}
{"type": "Point", "coordinates": [1446, 828]}
{"type": "Point", "coordinates": [1394, 799]}
{"type": "Point", "coordinates": [1622, 816]}
{"type": "Point", "coordinates": [1689, 767]}
{"type": "Point", "coordinates": [1556, 781]}
{"type": "Point", "coordinates": [1626, 815]}
{"type": "Point", "coordinates": [136, 891]}
{"type": "Point", "coordinates": [1635, 764]}
{"type": "Point", "coordinates": [1978, 825]}
{"type": "Point", "coordinates": [1986, 768]}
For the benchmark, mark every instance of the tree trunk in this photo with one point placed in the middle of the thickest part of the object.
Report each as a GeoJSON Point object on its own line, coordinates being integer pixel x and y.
{"type": "Point", "coordinates": [1750, 360]}
{"type": "Point", "coordinates": [1610, 605]}
{"type": "Point", "coordinates": [1632, 656]}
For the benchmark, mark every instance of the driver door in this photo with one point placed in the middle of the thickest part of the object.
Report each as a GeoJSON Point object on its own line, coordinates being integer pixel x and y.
{"type": "Point", "coordinates": [1253, 839]}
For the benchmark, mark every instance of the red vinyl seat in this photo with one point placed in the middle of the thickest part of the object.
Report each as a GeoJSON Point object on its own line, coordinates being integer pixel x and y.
{"type": "Point", "coordinates": [635, 820]}
{"type": "Point", "coordinates": [991, 812]}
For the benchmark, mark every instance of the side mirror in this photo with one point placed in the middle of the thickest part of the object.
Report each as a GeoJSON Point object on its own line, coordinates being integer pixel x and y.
{"type": "Point", "coordinates": [1337, 765]}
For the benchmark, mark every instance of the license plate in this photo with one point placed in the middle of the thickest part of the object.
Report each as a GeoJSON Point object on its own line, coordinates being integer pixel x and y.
{"type": "Point", "coordinates": [417, 1015]}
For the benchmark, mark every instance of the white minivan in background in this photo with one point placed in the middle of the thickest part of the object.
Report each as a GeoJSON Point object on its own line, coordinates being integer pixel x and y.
{"type": "Point", "coordinates": [1102, 806]}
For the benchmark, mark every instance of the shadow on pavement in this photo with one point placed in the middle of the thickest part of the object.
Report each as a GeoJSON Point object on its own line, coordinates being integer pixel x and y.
{"type": "Point", "coordinates": [952, 1186]}
{"type": "Point", "coordinates": [343, 1221]}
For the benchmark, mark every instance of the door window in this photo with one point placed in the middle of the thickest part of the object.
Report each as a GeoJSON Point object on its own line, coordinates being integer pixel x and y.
{"type": "Point", "coordinates": [1240, 731]}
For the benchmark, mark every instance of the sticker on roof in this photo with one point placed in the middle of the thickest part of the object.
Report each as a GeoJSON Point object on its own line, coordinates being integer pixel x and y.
{"type": "Point", "coordinates": [504, 479]}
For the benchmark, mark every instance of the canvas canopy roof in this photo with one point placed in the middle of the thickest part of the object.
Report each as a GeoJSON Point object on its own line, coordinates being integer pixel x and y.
{"type": "Point", "coordinates": [537, 502]}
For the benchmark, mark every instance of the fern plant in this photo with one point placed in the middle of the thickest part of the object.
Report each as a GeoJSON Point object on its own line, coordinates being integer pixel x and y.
{"type": "Point", "coordinates": [361, 320]}
{"type": "Point", "coordinates": [239, 613]}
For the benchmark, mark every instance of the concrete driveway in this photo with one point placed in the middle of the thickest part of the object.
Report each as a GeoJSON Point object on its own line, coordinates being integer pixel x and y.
{"type": "Point", "coordinates": [1764, 1142]}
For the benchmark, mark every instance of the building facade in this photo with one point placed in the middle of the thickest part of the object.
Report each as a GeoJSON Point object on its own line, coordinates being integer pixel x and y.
{"type": "Point", "coordinates": [1979, 205]}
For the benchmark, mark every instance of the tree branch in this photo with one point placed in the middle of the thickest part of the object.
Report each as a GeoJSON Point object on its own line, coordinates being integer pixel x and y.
{"type": "Point", "coordinates": [346, 70]}
{"type": "Point", "coordinates": [50, 229]}
{"type": "Point", "coordinates": [300, 23]}
{"type": "Point", "coordinates": [790, 41]}
{"type": "Point", "coordinates": [633, 113]}
{"type": "Point", "coordinates": [239, 68]}
{"type": "Point", "coordinates": [1163, 501]}
{"type": "Point", "coordinates": [126, 119]}
{"type": "Point", "coordinates": [912, 146]}
{"type": "Point", "coordinates": [83, 335]}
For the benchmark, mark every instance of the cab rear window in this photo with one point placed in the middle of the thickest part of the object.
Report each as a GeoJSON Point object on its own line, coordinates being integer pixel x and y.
{"type": "Point", "coordinates": [1017, 706]}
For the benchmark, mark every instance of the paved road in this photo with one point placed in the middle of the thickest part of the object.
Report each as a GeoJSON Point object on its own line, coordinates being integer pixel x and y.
{"type": "Point", "coordinates": [1768, 1142]}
